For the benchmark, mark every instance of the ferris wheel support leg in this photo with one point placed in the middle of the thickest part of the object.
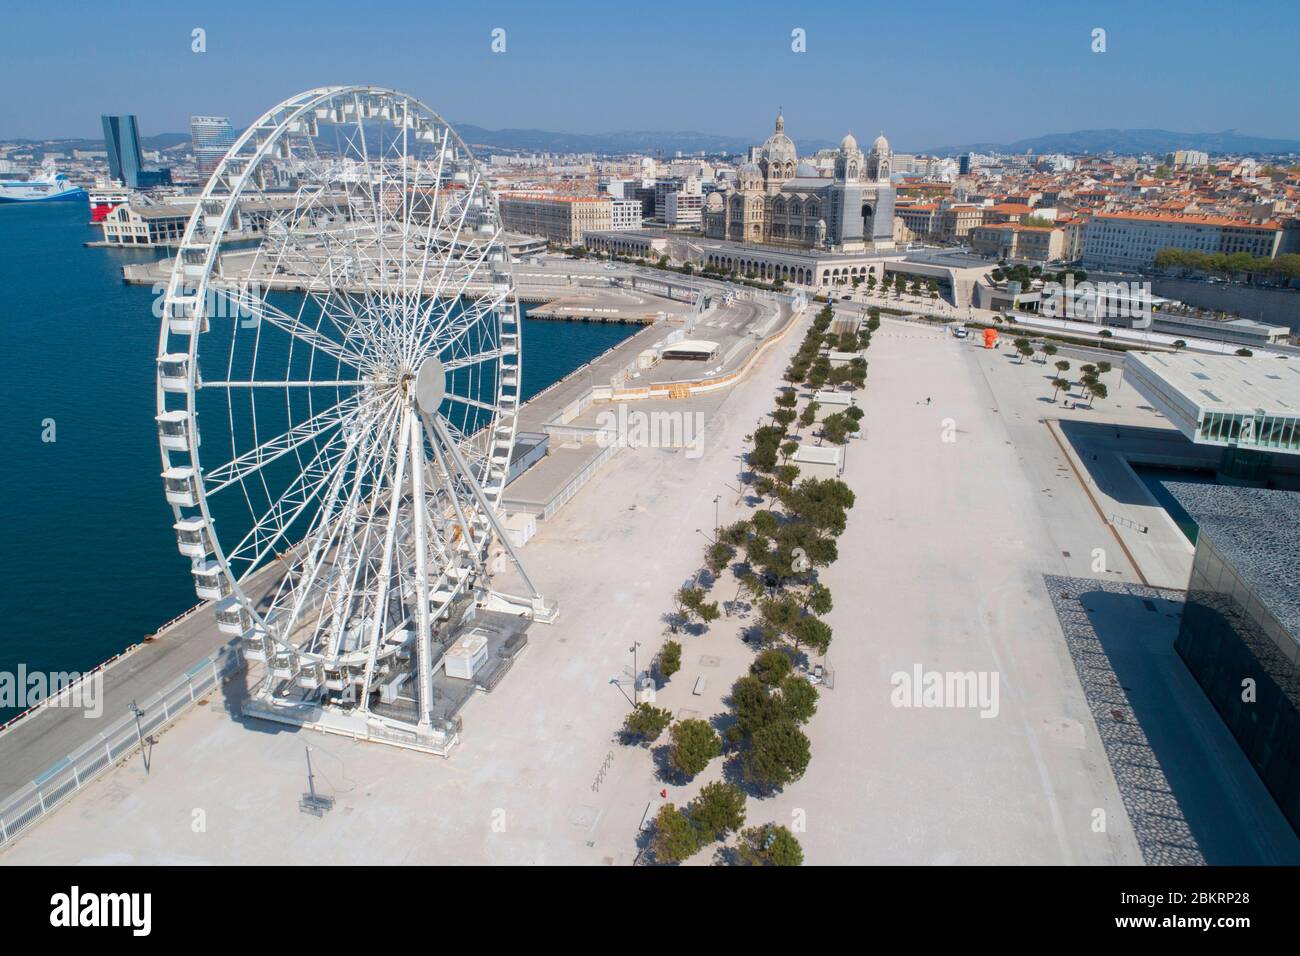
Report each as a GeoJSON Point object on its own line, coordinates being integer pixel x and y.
{"type": "Point", "coordinates": [424, 638]}
{"type": "Point", "coordinates": [386, 567]}
{"type": "Point", "coordinates": [539, 610]}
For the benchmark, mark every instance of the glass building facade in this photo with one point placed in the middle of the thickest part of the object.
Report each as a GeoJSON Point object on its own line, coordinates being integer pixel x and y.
{"type": "Point", "coordinates": [1238, 634]}
{"type": "Point", "coordinates": [212, 136]}
{"type": "Point", "coordinates": [1255, 430]}
{"type": "Point", "coordinates": [125, 162]}
{"type": "Point", "coordinates": [122, 141]}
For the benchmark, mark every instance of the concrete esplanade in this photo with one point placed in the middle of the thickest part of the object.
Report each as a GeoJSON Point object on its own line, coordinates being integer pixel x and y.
{"type": "Point", "coordinates": [36, 748]}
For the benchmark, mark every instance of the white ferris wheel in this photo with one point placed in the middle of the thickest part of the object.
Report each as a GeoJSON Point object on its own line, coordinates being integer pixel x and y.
{"type": "Point", "coordinates": [337, 392]}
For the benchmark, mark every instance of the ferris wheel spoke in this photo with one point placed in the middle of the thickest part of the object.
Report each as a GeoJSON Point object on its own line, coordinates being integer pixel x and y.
{"type": "Point", "coordinates": [223, 476]}
{"type": "Point", "coordinates": [452, 477]}
{"type": "Point", "coordinates": [292, 503]}
{"type": "Point", "coordinates": [473, 402]}
{"type": "Point", "coordinates": [454, 239]}
{"type": "Point", "coordinates": [265, 312]}
{"type": "Point", "coordinates": [287, 383]}
{"type": "Point", "coordinates": [334, 526]}
{"type": "Point", "coordinates": [490, 355]}
{"type": "Point", "coordinates": [434, 212]}
{"type": "Point", "coordinates": [453, 328]}
{"type": "Point", "coordinates": [270, 528]}
{"type": "Point", "coordinates": [386, 561]}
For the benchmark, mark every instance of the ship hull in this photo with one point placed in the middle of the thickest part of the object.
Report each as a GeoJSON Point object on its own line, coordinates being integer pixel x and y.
{"type": "Point", "coordinates": [71, 194]}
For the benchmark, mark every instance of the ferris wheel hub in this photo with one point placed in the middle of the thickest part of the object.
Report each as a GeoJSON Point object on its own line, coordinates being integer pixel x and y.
{"type": "Point", "coordinates": [430, 385]}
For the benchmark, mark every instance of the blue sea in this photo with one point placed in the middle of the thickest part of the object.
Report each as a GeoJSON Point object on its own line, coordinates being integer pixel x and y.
{"type": "Point", "coordinates": [88, 557]}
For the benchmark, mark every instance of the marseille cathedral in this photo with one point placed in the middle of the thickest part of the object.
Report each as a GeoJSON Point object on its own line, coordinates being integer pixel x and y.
{"type": "Point", "coordinates": [780, 201]}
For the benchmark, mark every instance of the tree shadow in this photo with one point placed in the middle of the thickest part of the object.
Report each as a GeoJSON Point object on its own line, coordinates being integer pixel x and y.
{"type": "Point", "coordinates": [665, 772]}
{"type": "Point", "coordinates": [733, 772]}
{"type": "Point", "coordinates": [722, 724]}
{"type": "Point", "coordinates": [726, 855]}
{"type": "Point", "coordinates": [675, 621]}
{"type": "Point", "coordinates": [645, 855]}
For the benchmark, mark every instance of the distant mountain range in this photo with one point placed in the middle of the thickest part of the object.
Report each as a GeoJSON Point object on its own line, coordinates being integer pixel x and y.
{"type": "Point", "coordinates": [1131, 142]}
{"type": "Point", "coordinates": [161, 141]}
{"type": "Point", "coordinates": [648, 142]}
{"type": "Point", "coordinates": [1128, 142]}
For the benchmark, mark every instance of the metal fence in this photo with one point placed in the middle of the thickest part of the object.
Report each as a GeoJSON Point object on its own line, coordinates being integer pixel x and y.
{"type": "Point", "coordinates": [67, 776]}
{"type": "Point", "coordinates": [561, 498]}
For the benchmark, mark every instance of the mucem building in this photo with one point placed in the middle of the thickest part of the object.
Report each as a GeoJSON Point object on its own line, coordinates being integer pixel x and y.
{"type": "Point", "coordinates": [1240, 632]}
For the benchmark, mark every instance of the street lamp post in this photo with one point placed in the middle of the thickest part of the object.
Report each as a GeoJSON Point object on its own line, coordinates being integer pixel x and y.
{"type": "Point", "coordinates": [139, 734]}
{"type": "Point", "coordinates": [716, 499]}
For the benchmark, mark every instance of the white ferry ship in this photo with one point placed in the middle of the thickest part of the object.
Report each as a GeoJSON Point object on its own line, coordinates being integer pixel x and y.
{"type": "Point", "coordinates": [48, 186]}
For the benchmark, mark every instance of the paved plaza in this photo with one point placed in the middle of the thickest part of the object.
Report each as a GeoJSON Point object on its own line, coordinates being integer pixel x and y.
{"type": "Point", "coordinates": [964, 504]}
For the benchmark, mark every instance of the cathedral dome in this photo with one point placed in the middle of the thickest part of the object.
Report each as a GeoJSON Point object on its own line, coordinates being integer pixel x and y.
{"type": "Point", "coordinates": [881, 145]}
{"type": "Point", "coordinates": [778, 148]}
{"type": "Point", "coordinates": [848, 143]}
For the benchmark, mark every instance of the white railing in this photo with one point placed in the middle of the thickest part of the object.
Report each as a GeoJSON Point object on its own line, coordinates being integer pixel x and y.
{"type": "Point", "coordinates": [24, 809]}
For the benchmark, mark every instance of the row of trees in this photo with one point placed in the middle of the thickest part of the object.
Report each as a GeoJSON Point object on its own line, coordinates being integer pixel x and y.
{"type": "Point", "coordinates": [811, 368]}
{"type": "Point", "coordinates": [717, 811]}
{"type": "Point", "coordinates": [1089, 380]}
{"type": "Point", "coordinates": [1285, 267]}
{"type": "Point", "coordinates": [782, 549]}
{"type": "Point", "coordinates": [775, 555]}
{"type": "Point", "coordinates": [900, 285]}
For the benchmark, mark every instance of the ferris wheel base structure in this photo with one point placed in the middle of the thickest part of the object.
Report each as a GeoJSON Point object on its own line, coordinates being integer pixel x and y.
{"type": "Point", "coordinates": [506, 618]}
{"type": "Point", "coordinates": [340, 503]}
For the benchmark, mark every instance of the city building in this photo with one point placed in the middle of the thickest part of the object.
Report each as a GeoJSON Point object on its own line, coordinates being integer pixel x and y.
{"type": "Point", "coordinates": [563, 220]}
{"type": "Point", "coordinates": [1011, 240]}
{"type": "Point", "coordinates": [1231, 402]}
{"type": "Point", "coordinates": [664, 188]}
{"type": "Point", "coordinates": [640, 245]}
{"type": "Point", "coordinates": [779, 201]}
{"type": "Point", "coordinates": [125, 163]}
{"type": "Point", "coordinates": [129, 225]}
{"type": "Point", "coordinates": [958, 219]}
{"type": "Point", "coordinates": [683, 209]}
{"type": "Point", "coordinates": [1130, 240]}
{"type": "Point", "coordinates": [1190, 323]}
{"type": "Point", "coordinates": [1240, 630]}
{"type": "Point", "coordinates": [625, 214]}
{"type": "Point", "coordinates": [211, 137]}
{"type": "Point", "coordinates": [1188, 157]}
{"type": "Point", "coordinates": [919, 219]}
{"type": "Point", "coordinates": [122, 143]}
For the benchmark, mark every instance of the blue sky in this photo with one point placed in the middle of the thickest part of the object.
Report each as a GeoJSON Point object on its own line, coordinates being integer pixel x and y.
{"type": "Point", "coordinates": [927, 74]}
